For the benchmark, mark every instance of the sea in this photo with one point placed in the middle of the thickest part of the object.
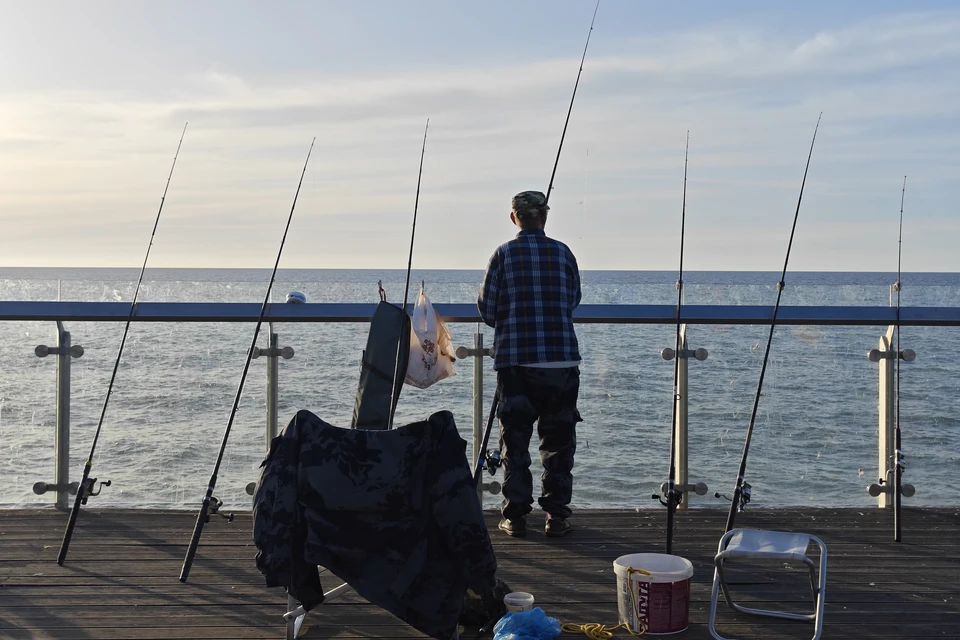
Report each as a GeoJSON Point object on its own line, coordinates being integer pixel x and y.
{"type": "Point", "coordinates": [814, 443]}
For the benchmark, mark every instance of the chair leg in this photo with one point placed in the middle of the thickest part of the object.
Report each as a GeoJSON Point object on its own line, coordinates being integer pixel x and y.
{"type": "Point", "coordinates": [294, 622]}
{"type": "Point", "coordinates": [714, 598]}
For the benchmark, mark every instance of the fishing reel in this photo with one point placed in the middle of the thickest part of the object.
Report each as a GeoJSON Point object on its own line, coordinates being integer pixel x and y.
{"type": "Point", "coordinates": [679, 491]}
{"type": "Point", "coordinates": [667, 499]}
{"type": "Point", "coordinates": [87, 490]}
{"type": "Point", "coordinates": [491, 462]}
{"type": "Point", "coordinates": [744, 497]}
{"type": "Point", "coordinates": [214, 510]}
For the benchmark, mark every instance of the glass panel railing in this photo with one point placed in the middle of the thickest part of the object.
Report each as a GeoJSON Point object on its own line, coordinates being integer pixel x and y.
{"type": "Point", "coordinates": [816, 429]}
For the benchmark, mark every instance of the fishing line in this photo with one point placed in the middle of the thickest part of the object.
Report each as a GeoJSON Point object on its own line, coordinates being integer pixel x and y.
{"type": "Point", "coordinates": [741, 494]}
{"type": "Point", "coordinates": [85, 488]}
{"type": "Point", "coordinates": [481, 455]}
{"type": "Point", "coordinates": [202, 516]}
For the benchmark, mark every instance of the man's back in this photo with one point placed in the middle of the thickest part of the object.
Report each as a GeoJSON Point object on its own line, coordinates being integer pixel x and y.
{"type": "Point", "coordinates": [531, 287]}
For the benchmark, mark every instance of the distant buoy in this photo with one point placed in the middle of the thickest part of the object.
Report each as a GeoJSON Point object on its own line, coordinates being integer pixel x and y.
{"type": "Point", "coordinates": [295, 297]}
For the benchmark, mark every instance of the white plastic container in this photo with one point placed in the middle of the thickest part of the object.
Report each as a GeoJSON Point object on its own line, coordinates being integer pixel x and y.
{"type": "Point", "coordinates": [659, 598]}
{"type": "Point", "coordinates": [518, 601]}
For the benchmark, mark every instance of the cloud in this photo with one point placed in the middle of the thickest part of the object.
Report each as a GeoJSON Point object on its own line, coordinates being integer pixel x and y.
{"type": "Point", "coordinates": [79, 166]}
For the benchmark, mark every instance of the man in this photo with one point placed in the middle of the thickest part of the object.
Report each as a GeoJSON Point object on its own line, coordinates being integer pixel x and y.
{"type": "Point", "coordinates": [530, 289]}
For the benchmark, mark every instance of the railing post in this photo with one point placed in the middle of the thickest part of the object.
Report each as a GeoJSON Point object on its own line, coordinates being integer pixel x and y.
{"type": "Point", "coordinates": [886, 354]}
{"type": "Point", "coordinates": [887, 417]}
{"type": "Point", "coordinates": [273, 374]}
{"type": "Point", "coordinates": [680, 426]}
{"type": "Point", "coordinates": [61, 484]}
{"type": "Point", "coordinates": [478, 352]}
{"type": "Point", "coordinates": [62, 475]}
{"type": "Point", "coordinates": [272, 353]}
{"type": "Point", "coordinates": [477, 395]}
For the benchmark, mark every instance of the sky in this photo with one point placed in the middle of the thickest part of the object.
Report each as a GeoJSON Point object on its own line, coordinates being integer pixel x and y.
{"type": "Point", "coordinates": [94, 96]}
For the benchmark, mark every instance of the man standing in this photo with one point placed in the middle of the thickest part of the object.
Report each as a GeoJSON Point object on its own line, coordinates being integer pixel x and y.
{"type": "Point", "coordinates": [530, 289]}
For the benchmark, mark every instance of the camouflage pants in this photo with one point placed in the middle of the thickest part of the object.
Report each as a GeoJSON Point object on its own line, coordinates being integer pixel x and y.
{"type": "Point", "coordinates": [549, 398]}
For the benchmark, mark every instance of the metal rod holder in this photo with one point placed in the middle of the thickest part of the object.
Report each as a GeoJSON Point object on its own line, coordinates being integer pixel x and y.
{"type": "Point", "coordinates": [681, 482]}
{"type": "Point", "coordinates": [64, 352]}
{"type": "Point", "coordinates": [886, 354]}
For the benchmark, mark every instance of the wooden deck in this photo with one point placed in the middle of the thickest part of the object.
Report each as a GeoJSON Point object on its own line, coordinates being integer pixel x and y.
{"type": "Point", "coordinates": [120, 579]}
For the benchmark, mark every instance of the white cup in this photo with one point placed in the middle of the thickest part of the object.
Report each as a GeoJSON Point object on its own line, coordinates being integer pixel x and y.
{"type": "Point", "coordinates": [518, 601]}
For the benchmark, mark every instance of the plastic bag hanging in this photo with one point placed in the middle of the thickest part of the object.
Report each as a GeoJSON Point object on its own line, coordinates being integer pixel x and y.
{"type": "Point", "coordinates": [431, 347]}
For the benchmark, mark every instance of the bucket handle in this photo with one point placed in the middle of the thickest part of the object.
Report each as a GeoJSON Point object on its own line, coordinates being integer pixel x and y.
{"type": "Point", "coordinates": [599, 631]}
{"type": "Point", "coordinates": [633, 600]}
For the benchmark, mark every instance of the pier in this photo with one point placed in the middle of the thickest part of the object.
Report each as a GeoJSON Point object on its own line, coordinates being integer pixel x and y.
{"type": "Point", "coordinates": [120, 580]}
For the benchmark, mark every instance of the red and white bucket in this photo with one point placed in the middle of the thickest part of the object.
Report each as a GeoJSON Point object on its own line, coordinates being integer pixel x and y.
{"type": "Point", "coordinates": [653, 589]}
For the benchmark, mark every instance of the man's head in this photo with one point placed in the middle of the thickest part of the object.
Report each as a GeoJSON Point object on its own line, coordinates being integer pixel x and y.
{"type": "Point", "coordinates": [529, 210]}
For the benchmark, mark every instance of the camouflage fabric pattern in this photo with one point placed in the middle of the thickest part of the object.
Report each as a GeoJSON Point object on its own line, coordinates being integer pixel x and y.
{"type": "Point", "coordinates": [529, 204]}
{"type": "Point", "coordinates": [480, 609]}
{"type": "Point", "coordinates": [394, 513]}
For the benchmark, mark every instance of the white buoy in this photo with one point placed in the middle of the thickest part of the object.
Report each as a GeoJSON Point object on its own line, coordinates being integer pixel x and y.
{"type": "Point", "coordinates": [295, 297]}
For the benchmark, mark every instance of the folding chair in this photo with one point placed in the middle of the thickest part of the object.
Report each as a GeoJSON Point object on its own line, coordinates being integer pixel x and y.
{"type": "Point", "coordinates": [778, 546]}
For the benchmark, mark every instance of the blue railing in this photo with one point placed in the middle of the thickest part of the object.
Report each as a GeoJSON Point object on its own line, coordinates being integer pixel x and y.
{"type": "Point", "coordinates": [586, 313]}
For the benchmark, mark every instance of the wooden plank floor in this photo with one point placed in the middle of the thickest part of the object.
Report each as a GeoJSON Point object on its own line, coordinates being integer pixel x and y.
{"type": "Point", "coordinates": [120, 579]}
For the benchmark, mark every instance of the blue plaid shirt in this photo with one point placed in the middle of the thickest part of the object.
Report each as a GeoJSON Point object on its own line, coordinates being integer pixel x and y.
{"type": "Point", "coordinates": [530, 290]}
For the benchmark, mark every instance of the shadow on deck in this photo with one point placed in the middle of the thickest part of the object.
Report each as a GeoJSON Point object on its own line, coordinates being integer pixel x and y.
{"type": "Point", "coordinates": [120, 578]}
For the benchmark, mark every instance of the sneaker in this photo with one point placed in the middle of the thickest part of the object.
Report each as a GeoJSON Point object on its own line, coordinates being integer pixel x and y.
{"type": "Point", "coordinates": [516, 527]}
{"type": "Point", "coordinates": [557, 527]}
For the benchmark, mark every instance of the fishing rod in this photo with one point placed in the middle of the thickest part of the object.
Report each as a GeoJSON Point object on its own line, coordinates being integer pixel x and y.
{"type": "Point", "coordinates": [898, 454]}
{"type": "Point", "coordinates": [202, 516]}
{"type": "Point", "coordinates": [406, 286]}
{"type": "Point", "coordinates": [741, 493]}
{"type": "Point", "coordinates": [482, 458]}
{"type": "Point", "coordinates": [85, 488]}
{"type": "Point", "coordinates": [673, 496]}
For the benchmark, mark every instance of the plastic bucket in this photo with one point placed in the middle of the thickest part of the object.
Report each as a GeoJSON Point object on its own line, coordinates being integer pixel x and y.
{"type": "Point", "coordinates": [517, 601]}
{"type": "Point", "coordinates": [660, 600]}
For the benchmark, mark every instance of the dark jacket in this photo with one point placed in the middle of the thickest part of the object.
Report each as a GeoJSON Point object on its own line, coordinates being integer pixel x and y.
{"type": "Point", "coordinates": [394, 513]}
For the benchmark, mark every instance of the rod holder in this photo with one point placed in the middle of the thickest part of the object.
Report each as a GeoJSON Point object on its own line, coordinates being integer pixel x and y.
{"type": "Point", "coordinates": [463, 353]}
{"type": "Point", "coordinates": [41, 488]}
{"type": "Point", "coordinates": [493, 487]}
{"type": "Point", "coordinates": [876, 355]}
{"type": "Point", "coordinates": [876, 490]}
{"type": "Point", "coordinates": [699, 488]}
{"type": "Point", "coordinates": [698, 354]}
{"type": "Point", "coordinates": [42, 351]}
{"type": "Point", "coordinates": [286, 353]}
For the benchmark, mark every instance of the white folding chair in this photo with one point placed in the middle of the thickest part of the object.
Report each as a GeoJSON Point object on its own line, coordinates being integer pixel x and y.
{"type": "Point", "coordinates": [778, 546]}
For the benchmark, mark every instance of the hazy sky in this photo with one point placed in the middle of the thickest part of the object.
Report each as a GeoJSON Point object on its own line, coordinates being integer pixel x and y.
{"type": "Point", "coordinates": [93, 97]}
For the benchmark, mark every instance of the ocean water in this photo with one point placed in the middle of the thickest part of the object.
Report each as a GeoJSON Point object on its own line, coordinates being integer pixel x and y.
{"type": "Point", "coordinates": [815, 440]}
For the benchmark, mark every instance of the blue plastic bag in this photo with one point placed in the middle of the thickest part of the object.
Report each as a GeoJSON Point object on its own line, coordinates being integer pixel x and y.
{"type": "Point", "coordinates": [527, 625]}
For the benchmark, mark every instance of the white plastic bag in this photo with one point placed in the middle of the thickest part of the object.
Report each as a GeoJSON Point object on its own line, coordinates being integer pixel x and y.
{"type": "Point", "coordinates": [431, 348]}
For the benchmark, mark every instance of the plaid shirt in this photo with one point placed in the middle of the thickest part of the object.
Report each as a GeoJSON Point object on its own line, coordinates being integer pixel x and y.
{"type": "Point", "coordinates": [530, 290]}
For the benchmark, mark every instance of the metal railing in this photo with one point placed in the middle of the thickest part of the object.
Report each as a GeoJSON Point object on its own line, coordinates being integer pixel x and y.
{"type": "Point", "coordinates": [467, 313]}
